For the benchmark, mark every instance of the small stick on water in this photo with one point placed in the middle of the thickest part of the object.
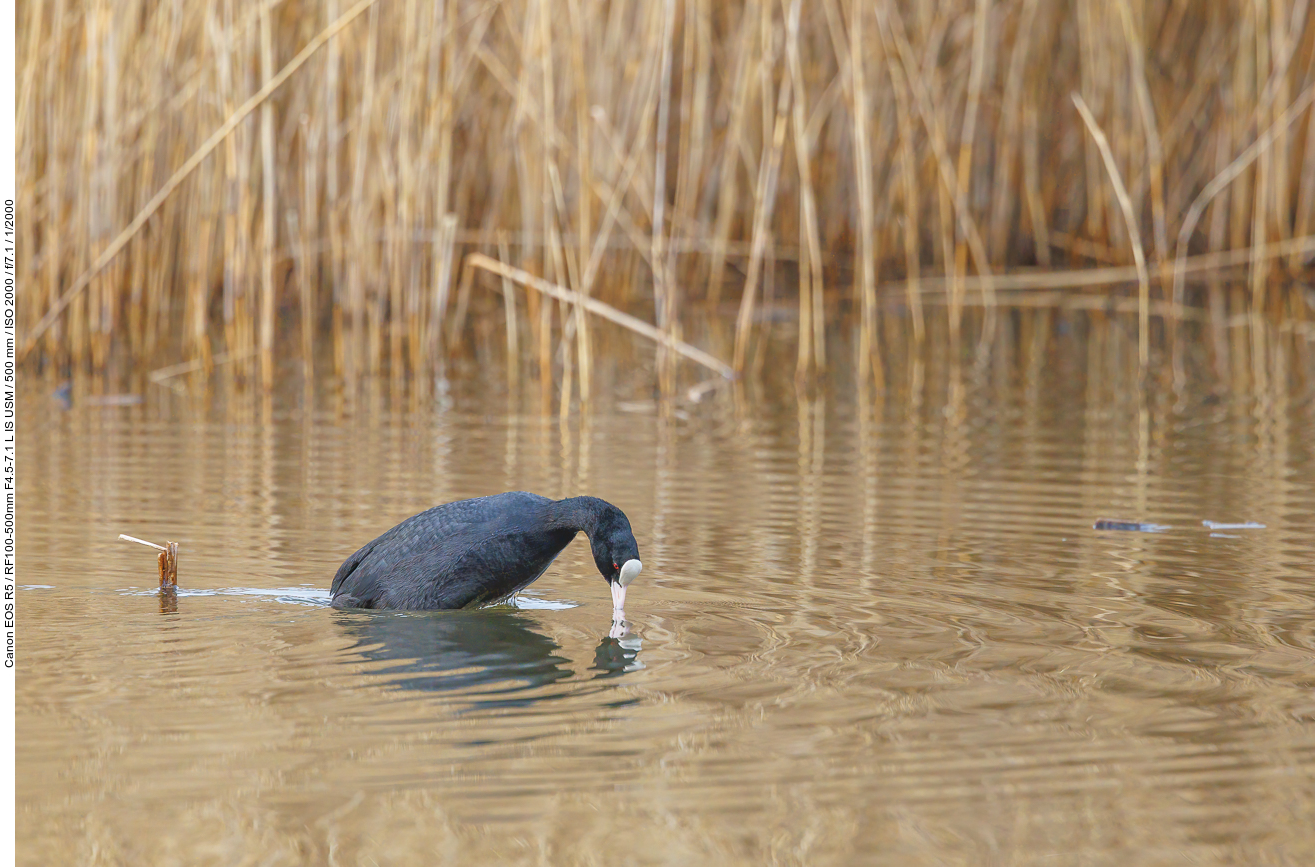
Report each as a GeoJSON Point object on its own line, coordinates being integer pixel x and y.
{"type": "Point", "coordinates": [167, 561]}
{"type": "Point", "coordinates": [1130, 526]}
{"type": "Point", "coordinates": [125, 537]}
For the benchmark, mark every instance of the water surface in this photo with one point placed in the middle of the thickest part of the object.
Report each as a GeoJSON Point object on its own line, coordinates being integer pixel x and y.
{"type": "Point", "coordinates": [869, 630]}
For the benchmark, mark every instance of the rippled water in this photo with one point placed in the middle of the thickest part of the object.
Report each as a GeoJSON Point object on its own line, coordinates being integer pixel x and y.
{"type": "Point", "coordinates": [868, 631]}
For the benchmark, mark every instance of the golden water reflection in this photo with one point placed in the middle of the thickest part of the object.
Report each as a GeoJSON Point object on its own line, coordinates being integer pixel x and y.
{"type": "Point", "coordinates": [872, 628]}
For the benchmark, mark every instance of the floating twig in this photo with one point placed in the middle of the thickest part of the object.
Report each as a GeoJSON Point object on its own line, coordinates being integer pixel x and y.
{"type": "Point", "coordinates": [1129, 526]}
{"type": "Point", "coordinates": [125, 537]}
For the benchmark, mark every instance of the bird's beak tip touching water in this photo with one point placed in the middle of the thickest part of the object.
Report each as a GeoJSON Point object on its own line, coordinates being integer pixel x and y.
{"type": "Point", "coordinates": [629, 572]}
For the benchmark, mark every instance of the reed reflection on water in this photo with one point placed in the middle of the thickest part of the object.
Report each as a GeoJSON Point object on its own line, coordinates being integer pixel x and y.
{"type": "Point", "coordinates": [869, 629]}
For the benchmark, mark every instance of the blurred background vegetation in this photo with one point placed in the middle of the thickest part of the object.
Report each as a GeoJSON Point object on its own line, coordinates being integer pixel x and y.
{"type": "Point", "coordinates": [853, 168]}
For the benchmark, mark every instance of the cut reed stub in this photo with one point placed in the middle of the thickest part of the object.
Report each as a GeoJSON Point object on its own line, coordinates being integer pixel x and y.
{"type": "Point", "coordinates": [167, 560]}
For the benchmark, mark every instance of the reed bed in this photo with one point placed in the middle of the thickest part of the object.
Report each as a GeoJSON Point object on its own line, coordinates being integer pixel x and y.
{"type": "Point", "coordinates": [303, 178]}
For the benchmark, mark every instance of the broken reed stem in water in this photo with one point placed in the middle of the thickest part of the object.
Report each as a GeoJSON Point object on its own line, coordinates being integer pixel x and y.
{"type": "Point", "coordinates": [1125, 203]}
{"type": "Point", "coordinates": [167, 560]}
{"type": "Point", "coordinates": [168, 563]}
{"type": "Point", "coordinates": [159, 376]}
{"type": "Point", "coordinates": [598, 308]}
{"type": "Point", "coordinates": [1080, 278]}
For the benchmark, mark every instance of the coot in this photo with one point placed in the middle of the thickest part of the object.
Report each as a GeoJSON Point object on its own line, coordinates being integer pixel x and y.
{"type": "Point", "coordinates": [473, 552]}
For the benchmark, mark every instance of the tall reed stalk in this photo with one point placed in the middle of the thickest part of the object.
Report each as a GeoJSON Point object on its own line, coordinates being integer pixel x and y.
{"type": "Point", "coordinates": [656, 157]}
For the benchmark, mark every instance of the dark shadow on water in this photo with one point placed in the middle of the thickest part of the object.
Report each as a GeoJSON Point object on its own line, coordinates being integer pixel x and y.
{"type": "Point", "coordinates": [489, 655]}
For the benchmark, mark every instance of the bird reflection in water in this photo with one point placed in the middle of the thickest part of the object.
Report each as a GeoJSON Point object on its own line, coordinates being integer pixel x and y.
{"type": "Point", "coordinates": [618, 653]}
{"type": "Point", "coordinates": [495, 655]}
{"type": "Point", "coordinates": [498, 658]}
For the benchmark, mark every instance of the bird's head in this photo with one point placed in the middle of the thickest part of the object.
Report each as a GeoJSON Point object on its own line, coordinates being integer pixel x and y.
{"type": "Point", "coordinates": [616, 553]}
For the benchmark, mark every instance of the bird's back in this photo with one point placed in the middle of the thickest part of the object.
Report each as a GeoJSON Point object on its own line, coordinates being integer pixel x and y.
{"type": "Point", "coordinates": [452, 556]}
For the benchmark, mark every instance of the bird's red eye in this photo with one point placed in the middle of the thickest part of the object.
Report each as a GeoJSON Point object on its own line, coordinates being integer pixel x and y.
{"type": "Point", "coordinates": [614, 566]}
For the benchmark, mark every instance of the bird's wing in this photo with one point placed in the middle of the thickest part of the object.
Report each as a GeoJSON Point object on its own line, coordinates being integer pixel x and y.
{"type": "Point", "coordinates": [445, 533]}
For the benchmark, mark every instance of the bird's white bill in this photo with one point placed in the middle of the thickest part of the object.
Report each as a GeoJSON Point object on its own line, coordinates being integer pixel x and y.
{"type": "Point", "coordinates": [629, 572]}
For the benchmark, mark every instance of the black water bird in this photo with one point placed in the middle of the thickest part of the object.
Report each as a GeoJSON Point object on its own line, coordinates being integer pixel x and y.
{"type": "Point", "coordinates": [474, 552]}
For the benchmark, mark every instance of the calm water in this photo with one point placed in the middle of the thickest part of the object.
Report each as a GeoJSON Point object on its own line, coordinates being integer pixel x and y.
{"type": "Point", "coordinates": [866, 631]}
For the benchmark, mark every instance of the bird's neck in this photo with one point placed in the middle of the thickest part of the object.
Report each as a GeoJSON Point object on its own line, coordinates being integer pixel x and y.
{"type": "Point", "coordinates": [575, 513]}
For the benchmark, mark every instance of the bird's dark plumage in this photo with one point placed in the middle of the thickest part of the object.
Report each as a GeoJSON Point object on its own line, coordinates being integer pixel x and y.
{"type": "Point", "coordinates": [473, 552]}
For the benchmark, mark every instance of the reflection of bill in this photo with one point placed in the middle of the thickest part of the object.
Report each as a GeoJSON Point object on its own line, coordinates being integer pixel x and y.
{"type": "Point", "coordinates": [619, 651]}
{"type": "Point", "coordinates": [620, 628]}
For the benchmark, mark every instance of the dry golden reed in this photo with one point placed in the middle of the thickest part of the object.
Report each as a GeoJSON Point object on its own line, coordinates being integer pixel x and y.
{"type": "Point", "coordinates": [662, 157]}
